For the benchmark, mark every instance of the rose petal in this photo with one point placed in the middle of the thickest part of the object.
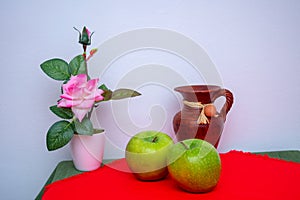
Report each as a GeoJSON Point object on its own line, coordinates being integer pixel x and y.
{"type": "Point", "coordinates": [99, 98]}
{"type": "Point", "coordinates": [88, 32]}
{"type": "Point", "coordinates": [92, 84]}
{"type": "Point", "coordinates": [80, 113]}
{"type": "Point", "coordinates": [64, 103]}
{"type": "Point", "coordinates": [86, 104]}
{"type": "Point", "coordinates": [80, 94]}
{"type": "Point", "coordinates": [66, 96]}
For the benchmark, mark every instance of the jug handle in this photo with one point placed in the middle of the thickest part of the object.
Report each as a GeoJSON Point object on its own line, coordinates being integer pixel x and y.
{"type": "Point", "coordinates": [227, 105]}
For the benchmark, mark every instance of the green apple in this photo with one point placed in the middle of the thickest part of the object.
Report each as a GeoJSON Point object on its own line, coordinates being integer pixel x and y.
{"type": "Point", "coordinates": [146, 154]}
{"type": "Point", "coordinates": [194, 165]}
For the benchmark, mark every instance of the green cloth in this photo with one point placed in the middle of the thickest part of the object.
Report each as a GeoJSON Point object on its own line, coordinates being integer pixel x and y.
{"type": "Point", "coordinates": [66, 169]}
{"type": "Point", "coordinates": [284, 155]}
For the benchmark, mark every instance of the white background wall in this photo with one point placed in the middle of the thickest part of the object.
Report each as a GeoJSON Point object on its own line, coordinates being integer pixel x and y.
{"type": "Point", "coordinates": [254, 45]}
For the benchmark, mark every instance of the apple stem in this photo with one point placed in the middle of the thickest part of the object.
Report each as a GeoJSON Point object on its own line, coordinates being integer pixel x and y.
{"type": "Point", "coordinates": [154, 139]}
{"type": "Point", "coordinates": [185, 146]}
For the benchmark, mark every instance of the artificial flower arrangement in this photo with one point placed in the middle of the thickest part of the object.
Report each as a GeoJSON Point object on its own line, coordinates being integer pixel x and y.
{"type": "Point", "coordinates": [80, 95]}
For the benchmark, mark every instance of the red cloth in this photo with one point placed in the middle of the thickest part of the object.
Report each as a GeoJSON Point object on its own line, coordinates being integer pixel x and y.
{"type": "Point", "coordinates": [244, 176]}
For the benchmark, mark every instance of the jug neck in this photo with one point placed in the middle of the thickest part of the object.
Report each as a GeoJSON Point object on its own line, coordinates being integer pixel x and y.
{"type": "Point", "coordinates": [199, 93]}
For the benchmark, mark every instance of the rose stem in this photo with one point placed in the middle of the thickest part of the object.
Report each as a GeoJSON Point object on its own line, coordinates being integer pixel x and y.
{"type": "Point", "coordinates": [185, 146]}
{"type": "Point", "coordinates": [154, 139]}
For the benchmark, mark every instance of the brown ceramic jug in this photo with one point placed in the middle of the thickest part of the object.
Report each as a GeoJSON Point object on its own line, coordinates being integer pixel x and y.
{"type": "Point", "coordinates": [193, 121]}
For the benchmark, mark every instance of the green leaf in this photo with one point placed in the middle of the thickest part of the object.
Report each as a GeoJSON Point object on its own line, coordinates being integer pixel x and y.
{"type": "Point", "coordinates": [75, 64]}
{"type": "Point", "coordinates": [82, 68]}
{"type": "Point", "coordinates": [65, 113]}
{"type": "Point", "coordinates": [85, 127]}
{"type": "Point", "coordinates": [107, 95]}
{"type": "Point", "coordinates": [103, 87]}
{"type": "Point", "coordinates": [56, 68]}
{"type": "Point", "coordinates": [59, 134]}
{"type": "Point", "coordinates": [107, 92]}
{"type": "Point", "coordinates": [124, 93]}
{"type": "Point", "coordinates": [98, 131]}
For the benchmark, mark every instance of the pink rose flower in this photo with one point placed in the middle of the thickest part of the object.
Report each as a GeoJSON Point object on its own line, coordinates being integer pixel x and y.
{"type": "Point", "coordinates": [80, 95]}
